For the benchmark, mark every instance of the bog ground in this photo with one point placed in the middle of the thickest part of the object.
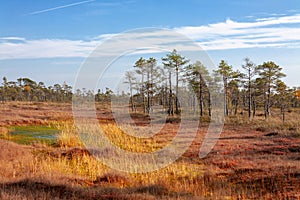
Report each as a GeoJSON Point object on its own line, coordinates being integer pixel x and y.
{"type": "Point", "coordinates": [251, 160]}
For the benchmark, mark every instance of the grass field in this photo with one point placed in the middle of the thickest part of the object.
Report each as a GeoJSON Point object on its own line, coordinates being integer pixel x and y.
{"type": "Point", "coordinates": [43, 158]}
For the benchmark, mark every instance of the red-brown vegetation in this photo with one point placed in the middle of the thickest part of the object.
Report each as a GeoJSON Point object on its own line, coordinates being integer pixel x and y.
{"type": "Point", "coordinates": [246, 163]}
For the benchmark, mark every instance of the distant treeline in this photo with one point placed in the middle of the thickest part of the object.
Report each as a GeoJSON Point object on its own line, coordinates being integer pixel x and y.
{"type": "Point", "coordinates": [247, 89]}
{"type": "Point", "coordinates": [25, 89]}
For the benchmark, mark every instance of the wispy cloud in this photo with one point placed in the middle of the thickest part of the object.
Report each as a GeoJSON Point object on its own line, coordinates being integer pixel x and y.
{"type": "Point", "coordinates": [273, 31]}
{"type": "Point", "coordinates": [12, 38]}
{"type": "Point", "coordinates": [60, 7]}
{"type": "Point", "coordinates": [281, 31]}
{"type": "Point", "coordinates": [46, 48]}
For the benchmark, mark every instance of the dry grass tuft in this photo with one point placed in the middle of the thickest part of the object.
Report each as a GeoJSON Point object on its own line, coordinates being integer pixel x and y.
{"type": "Point", "coordinates": [68, 136]}
{"type": "Point", "coordinates": [4, 132]}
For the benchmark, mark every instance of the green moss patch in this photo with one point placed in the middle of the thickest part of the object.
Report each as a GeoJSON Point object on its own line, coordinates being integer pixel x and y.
{"type": "Point", "coordinates": [33, 134]}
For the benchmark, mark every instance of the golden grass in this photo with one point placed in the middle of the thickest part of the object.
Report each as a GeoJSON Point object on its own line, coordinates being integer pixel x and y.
{"type": "Point", "coordinates": [237, 168]}
{"type": "Point", "coordinates": [179, 176]}
{"type": "Point", "coordinates": [68, 136]}
{"type": "Point", "coordinates": [85, 166]}
{"type": "Point", "coordinates": [4, 132]}
{"type": "Point", "coordinates": [182, 179]}
{"type": "Point", "coordinates": [119, 136]}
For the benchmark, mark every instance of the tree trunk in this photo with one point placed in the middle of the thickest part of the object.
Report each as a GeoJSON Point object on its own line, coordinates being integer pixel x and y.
{"type": "Point", "coordinates": [148, 92]}
{"type": "Point", "coordinates": [236, 104]}
{"type": "Point", "coordinates": [194, 99]}
{"type": "Point", "coordinates": [142, 92]}
{"type": "Point", "coordinates": [267, 114]}
{"type": "Point", "coordinates": [170, 111]}
{"type": "Point", "coordinates": [200, 98]}
{"type": "Point", "coordinates": [249, 94]}
{"type": "Point", "coordinates": [131, 97]}
{"type": "Point", "coordinates": [209, 104]}
{"type": "Point", "coordinates": [176, 96]}
{"type": "Point", "coordinates": [225, 98]}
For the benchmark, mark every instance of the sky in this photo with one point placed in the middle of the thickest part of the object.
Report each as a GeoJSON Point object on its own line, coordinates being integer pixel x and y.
{"type": "Point", "coordinates": [49, 40]}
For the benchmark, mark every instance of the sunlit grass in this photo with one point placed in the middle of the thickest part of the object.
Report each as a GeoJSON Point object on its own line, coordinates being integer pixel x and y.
{"type": "Point", "coordinates": [4, 132]}
{"type": "Point", "coordinates": [119, 136]}
{"type": "Point", "coordinates": [85, 166]}
{"type": "Point", "coordinates": [68, 136]}
{"type": "Point", "coordinates": [178, 176]}
{"type": "Point", "coordinates": [237, 168]}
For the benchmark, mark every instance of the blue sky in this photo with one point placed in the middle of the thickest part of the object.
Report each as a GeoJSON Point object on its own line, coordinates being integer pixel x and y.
{"type": "Point", "coordinates": [48, 40]}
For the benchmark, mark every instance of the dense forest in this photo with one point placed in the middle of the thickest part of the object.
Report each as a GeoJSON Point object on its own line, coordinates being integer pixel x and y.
{"type": "Point", "coordinates": [253, 87]}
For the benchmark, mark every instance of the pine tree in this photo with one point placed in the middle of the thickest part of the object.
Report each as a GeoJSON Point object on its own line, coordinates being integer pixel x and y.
{"type": "Point", "coordinates": [269, 73]}
{"type": "Point", "coordinates": [176, 62]}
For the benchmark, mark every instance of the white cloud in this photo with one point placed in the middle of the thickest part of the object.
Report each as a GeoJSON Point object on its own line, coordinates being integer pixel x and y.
{"type": "Point", "coordinates": [275, 31]}
{"type": "Point", "coordinates": [46, 48]}
{"type": "Point", "coordinates": [282, 31]}
{"type": "Point", "coordinates": [11, 38]}
{"type": "Point", "coordinates": [104, 36]}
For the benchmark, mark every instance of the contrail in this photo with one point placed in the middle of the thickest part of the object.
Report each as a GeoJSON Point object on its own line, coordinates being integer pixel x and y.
{"type": "Point", "coordinates": [60, 7]}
